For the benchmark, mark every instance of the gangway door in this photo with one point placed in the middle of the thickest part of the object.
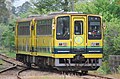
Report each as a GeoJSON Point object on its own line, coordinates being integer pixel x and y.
{"type": "Point", "coordinates": [79, 37]}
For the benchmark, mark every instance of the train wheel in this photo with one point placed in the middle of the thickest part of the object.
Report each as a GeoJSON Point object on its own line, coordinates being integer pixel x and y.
{"type": "Point", "coordinates": [28, 65]}
{"type": "Point", "coordinates": [84, 72]}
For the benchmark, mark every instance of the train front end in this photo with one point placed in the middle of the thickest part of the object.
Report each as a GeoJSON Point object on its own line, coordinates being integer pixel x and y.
{"type": "Point", "coordinates": [78, 42]}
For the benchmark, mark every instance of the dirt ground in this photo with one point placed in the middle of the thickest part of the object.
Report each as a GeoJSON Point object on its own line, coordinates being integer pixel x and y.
{"type": "Point", "coordinates": [39, 77]}
{"type": "Point", "coordinates": [32, 74]}
{"type": "Point", "coordinates": [44, 75]}
{"type": "Point", "coordinates": [115, 76]}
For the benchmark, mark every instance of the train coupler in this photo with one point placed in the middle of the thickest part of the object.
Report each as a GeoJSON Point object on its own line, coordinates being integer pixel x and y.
{"type": "Point", "coordinates": [79, 58]}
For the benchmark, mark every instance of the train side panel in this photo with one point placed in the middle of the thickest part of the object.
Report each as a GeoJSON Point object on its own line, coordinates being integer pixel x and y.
{"type": "Point", "coordinates": [44, 46]}
{"type": "Point", "coordinates": [23, 37]}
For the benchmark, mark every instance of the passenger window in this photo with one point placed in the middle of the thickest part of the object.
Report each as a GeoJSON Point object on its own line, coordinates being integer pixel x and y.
{"type": "Point", "coordinates": [23, 28]}
{"type": "Point", "coordinates": [44, 27]}
{"type": "Point", "coordinates": [78, 27]}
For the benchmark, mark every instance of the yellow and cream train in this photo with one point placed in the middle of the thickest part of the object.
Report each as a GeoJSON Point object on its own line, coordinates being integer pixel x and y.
{"type": "Point", "coordinates": [66, 41]}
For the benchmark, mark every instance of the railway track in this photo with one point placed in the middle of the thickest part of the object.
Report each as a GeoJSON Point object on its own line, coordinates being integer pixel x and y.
{"type": "Point", "coordinates": [9, 68]}
{"type": "Point", "coordinates": [91, 76]}
{"type": "Point", "coordinates": [18, 73]}
{"type": "Point", "coordinates": [10, 60]}
{"type": "Point", "coordinates": [87, 76]}
{"type": "Point", "coordinates": [72, 74]}
{"type": "Point", "coordinates": [15, 64]}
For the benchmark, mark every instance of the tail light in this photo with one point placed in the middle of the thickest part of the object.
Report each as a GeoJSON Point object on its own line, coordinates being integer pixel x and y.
{"type": "Point", "coordinates": [95, 44]}
{"type": "Point", "coordinates": [62, 44]}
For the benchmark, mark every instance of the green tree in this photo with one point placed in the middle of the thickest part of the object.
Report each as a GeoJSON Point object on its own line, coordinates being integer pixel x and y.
{"type": "Point", "coordinates": [4, 13]}
{"type": "Point", "coordinates": [45, 6]}
{"type": "Point", "coordinates": [112, 37]}
{"type": "Point", "coordinates": [115, 8]}
{"type": "Point", "coordinates": [100, 7]}
{"type": "Point", "coordinates": [107, 8]}
{"type": "Point", "coordinates": [7, 36]}
{"type": "Point", "coordinates": [6, 19]}
{"type": "Point", "coordinates": [85, 7]}
{"type": "Point", "coordinates": [2, 29]}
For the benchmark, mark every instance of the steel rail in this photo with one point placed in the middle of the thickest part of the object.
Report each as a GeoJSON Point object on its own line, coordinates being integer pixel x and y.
{"type": "Point", "coordinates": [18, 73]}
{"type": "Point", "coordinates": [103, 77]}
{"type": "Point", "coordinates": [11, 60]}
{"type": "Point", "coordinates": [4, 70]}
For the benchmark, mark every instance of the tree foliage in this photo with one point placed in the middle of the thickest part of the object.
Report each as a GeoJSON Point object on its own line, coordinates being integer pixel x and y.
{"type": "Point", "coordinates": [112, 37]}
{"type": "Point", "coordinates": [6, 36]}
{"type": "Point", "coordinates": [107, 8]}
{"type": "Point", "coordinates": [4, 13]}
{"type": "Point", "coordinates": [45, 6]}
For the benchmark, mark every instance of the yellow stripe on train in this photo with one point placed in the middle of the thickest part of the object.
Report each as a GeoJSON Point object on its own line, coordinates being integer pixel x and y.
{"type": "Point", "coordinates": [72, 55]}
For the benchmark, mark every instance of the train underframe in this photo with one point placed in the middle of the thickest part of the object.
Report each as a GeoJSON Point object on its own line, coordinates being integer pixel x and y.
{"type": "Point", "coordinates": [63, 64]}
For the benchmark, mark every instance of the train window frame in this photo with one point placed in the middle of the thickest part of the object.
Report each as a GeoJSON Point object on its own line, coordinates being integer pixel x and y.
{"type": "Point", "coordinates": [80, 30]}
{"type": "Point", "coordinates": [91, 35]}
{"type": "Point", "coordinates": [23, 28]}
{"type": "Point", "coordinates": [44, 27]}
{"type": "Point", "coordinates": [65, 35]}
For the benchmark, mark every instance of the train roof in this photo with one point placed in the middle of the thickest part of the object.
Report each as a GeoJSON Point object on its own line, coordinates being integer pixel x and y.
{"type": "Point", "coordinates": [24, 19]}
{"type": "Point", "coordinates": [51, 16]}
{"type": "Point", "coordinates": [36, 18]}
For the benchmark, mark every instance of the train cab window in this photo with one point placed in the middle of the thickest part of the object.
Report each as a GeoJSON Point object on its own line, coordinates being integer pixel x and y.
{"type": "Point", "coordinates": [78, 27]}
{"type": "Point", "coordinates": [63, 28]}
{"type": "Point", "coordinates": [94, 27]}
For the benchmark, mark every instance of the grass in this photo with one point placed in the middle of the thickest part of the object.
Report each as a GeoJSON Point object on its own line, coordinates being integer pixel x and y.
{"type": "Point", "coordinates": [104, 68]}
{"type": "Point", "coordinates": [8, 53]}
{"type": "Point", "coordinates": [11, 54]}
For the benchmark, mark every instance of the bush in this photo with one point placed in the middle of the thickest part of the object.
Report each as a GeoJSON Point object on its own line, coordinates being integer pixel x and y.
{"type": "Point", "coordinates": [118, 69]}
{"type": "Point", "coordinates": [6, 36]}
{"type": "Point", "coordinates": [104, 69]}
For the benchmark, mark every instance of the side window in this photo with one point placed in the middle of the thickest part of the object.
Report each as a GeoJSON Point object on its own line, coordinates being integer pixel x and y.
{"type": "Point", "coordinates": [24, 28]}
{"type": "Point", "coordinates": [78, 27]}
{"type": "Point", "coordinates": [44, 27]}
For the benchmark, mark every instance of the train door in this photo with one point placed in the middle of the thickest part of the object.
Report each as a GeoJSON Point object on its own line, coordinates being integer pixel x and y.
{"type": "Point", "coordinates": [79, 36]}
